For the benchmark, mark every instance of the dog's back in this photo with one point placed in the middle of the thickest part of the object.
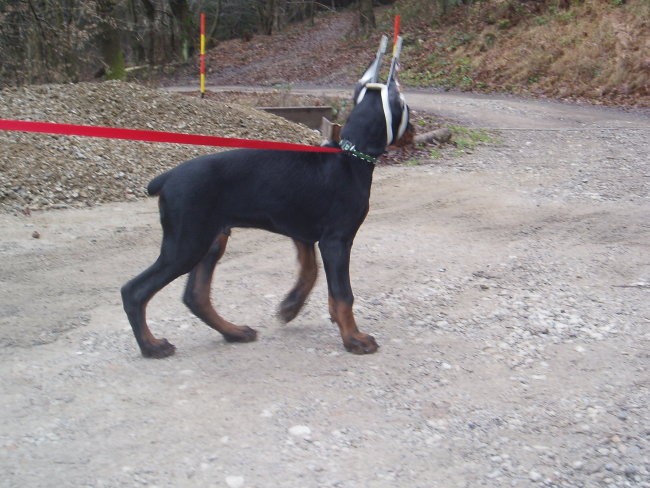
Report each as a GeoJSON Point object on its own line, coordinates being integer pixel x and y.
{"type": "Point", "coordinates": [290, 193]}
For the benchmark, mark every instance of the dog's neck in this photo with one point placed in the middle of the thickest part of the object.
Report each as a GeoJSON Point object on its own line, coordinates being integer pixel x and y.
{"type": "Point", "coordinates": [350, 148]}
{"type": "Point", "coordinates": [364, 133]}
{"type": "Point", "coordinates": [364, 140]}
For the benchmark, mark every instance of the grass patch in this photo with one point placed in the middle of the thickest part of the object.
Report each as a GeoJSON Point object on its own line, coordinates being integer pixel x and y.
{"type": "Point", "coordinates": [412, 162]}
{"type": "Point", "coordinates": [466, 139]}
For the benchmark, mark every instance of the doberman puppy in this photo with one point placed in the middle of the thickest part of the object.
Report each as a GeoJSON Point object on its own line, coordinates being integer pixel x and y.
{"type": "Point", "coordinates": [310, 197]}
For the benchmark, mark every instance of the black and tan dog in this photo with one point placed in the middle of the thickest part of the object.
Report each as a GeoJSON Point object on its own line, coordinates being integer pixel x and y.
{"type": "Point", "coordinates": [310, 197]}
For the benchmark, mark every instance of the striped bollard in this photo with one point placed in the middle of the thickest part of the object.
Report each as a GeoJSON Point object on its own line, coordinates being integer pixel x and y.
{"type": "Point", "coordinates": [202, 55]}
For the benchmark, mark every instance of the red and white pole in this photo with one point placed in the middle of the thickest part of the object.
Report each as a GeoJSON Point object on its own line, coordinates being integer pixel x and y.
{"type": "Point", "coordinates": [396, 33]}
{"type": "Point", "coordinates": [202, 54]}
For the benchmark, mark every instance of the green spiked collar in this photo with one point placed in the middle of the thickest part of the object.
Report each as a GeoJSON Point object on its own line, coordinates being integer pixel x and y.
{"type": "Point", "coordinates": [348, 147]}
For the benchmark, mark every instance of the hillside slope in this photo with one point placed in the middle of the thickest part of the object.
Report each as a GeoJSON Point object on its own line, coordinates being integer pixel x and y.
{"type": "Point", "coordinates": [595, 50]}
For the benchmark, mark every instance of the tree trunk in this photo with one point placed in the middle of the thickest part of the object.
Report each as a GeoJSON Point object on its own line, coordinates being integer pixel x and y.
{"type": "Point", "coordinates": [181, 12]}
{"type": "Point", "coordinates": [135, 39]}
{"type": "Point", "coordinates": [41, 40]}
{"type": "Point", "coordinates": [267, 16]}
{"type": "Point", "coordinates": [150, 43]}
{"type": "Point", "coordinates": [308, 11]}
{"type": "Point", "coordinates": [211, 33]}
{"type": "Point", "coordinates": [109, 40]}
{"type": "Point", "coordinates": [366, 16]}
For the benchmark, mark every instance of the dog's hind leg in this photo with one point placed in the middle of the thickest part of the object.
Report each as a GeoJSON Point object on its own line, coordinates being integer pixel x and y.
{"type": "Point", "coordinates": [184, 243]}
{"type": "Point", "coordinates": [296, 298]}
{"type": "Point", "coordinates": [135, 296]}
{"type": "Point", "coordinates": [197, 295]}
{"type": "Point", "coordinates": [336, 260]}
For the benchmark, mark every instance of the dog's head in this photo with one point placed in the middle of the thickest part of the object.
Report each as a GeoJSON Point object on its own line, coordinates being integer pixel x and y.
{"type": "Point", "coordinates": [380, 117]}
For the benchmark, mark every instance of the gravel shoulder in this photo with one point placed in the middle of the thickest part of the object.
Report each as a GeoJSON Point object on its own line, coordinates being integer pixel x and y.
{"type": "Point", "coordinates": [40, 171]}
{"type": "Point", "coordinates": [508, 289]}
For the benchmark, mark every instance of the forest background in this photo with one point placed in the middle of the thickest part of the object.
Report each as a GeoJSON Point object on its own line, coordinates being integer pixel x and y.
{"type": "Point", "coordinates": [596, 50]}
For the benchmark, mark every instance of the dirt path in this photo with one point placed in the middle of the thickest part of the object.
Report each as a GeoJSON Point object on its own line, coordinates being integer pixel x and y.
{"type": "Point", "coordinates": [508, 288]}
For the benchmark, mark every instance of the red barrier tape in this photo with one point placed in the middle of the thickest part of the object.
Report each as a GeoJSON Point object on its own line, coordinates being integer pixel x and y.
{"type": "Point", "coordinates": [155, 136]}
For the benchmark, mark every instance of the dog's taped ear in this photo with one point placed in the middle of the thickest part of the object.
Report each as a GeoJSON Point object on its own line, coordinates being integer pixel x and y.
{"type": "Point", "coordinates": [372, 72]}
{"type": "Point", "coordinates": [399, 110]}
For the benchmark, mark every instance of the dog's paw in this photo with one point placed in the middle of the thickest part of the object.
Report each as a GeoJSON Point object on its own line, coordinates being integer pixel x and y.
{"type": "Point", "coordinates": [243, 334]}
{"type": "Point", "coordinates": [289, 309]}
{"type": "Point", "coordinates": [361, 344]}
{"type": "Point", "coordinates": [158, 350]}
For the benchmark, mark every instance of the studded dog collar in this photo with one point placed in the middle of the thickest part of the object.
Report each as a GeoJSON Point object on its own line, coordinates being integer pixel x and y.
{"type": "Point", "coordinates": [348, 147]}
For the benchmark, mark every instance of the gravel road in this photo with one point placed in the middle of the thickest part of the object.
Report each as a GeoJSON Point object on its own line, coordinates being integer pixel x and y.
{"type": "Point", "coordinates": [508, 288]}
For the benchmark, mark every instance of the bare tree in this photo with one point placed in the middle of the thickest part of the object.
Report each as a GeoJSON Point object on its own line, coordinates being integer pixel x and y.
{"type": "Point", "coordinates": [109, 40]}
{"type": "Point", "coordinates": [266, 11]}
{"type": "Point", "coordinates": [183, 18]}
{"type": "Point", "coordinates": [366, 16]}
{"type": "Point", "coordinates": [68, 40]}
{"type": "Point", "coordinates": [41, 40]}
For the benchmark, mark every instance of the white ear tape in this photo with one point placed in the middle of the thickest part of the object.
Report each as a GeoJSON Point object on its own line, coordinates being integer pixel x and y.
{"type": "Point", "coordinates": [388, 114]}
{"type": "Point", "coordinates": [372, 73]}
{"type": "Point", "coordinates": [405, 118]}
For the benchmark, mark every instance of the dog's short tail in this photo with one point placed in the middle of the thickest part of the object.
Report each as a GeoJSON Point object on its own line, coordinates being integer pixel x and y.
{"type": "Point", "coordinates": [155, 185]}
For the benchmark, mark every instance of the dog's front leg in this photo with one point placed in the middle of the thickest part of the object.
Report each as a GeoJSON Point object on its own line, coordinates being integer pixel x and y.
{"type": "Point", "coordinates": [336, 261]}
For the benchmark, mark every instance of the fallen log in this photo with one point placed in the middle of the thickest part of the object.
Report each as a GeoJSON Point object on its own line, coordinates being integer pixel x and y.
{"type": "Point", "coordinates": [440, 136]}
